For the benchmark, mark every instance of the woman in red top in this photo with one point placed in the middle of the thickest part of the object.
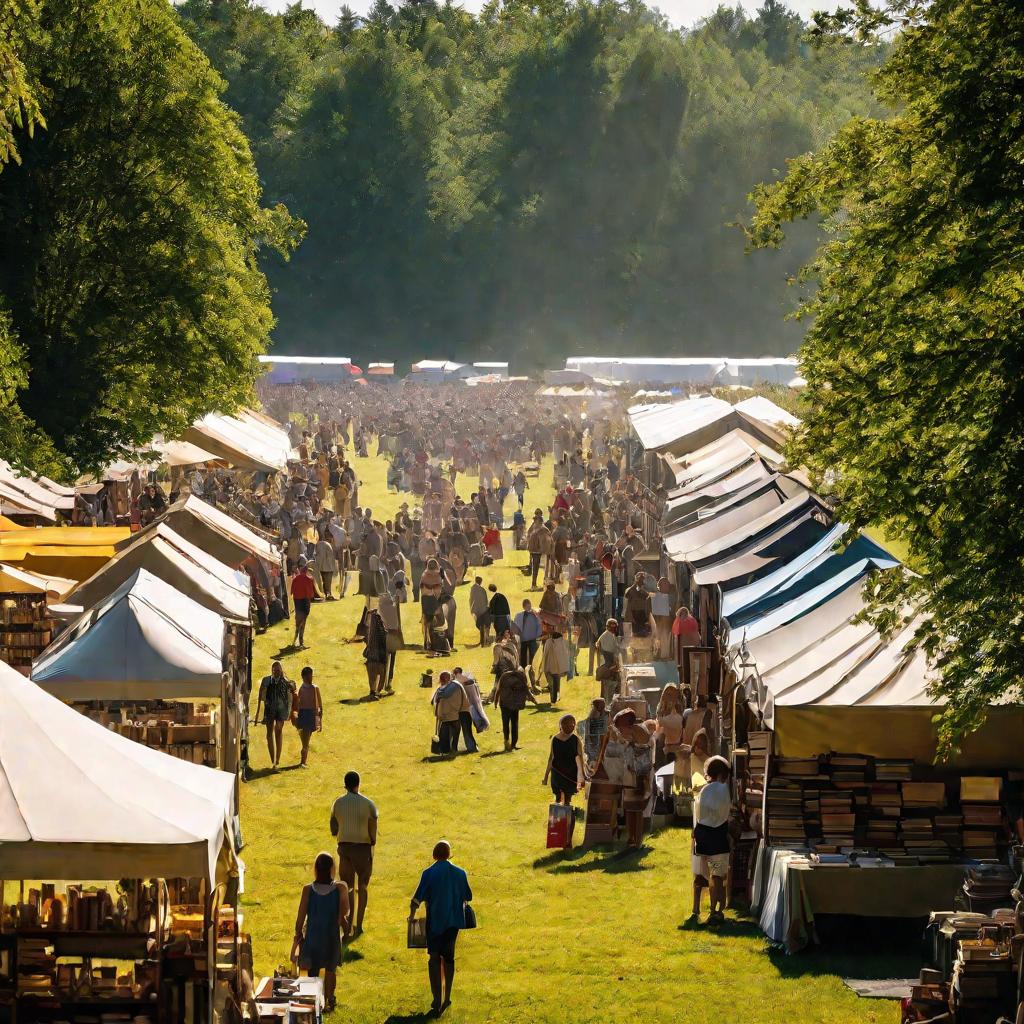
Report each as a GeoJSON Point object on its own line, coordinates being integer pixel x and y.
{"type": "Point", "coordinates": [303, 592]}
{"type": "Point", "coordinates": [685, 629]}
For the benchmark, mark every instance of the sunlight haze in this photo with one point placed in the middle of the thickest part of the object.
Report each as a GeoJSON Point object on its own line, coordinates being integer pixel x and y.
{"type": "Point", "coordinates": [682, 13]}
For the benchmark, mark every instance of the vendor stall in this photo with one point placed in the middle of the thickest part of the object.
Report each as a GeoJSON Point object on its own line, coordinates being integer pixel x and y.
{"type": "Point", "coordinates": [25, 623]}
{"type": "Point", "coordinates": [151, 663]}
{"type": "Point", "coordinates": [131, 911]}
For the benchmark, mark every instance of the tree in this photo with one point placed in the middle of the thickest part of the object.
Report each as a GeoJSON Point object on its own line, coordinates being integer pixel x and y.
{"type": "Point", "coordinates": [914, 353]}
{"type": "Point", "coordinates": [130, 232]}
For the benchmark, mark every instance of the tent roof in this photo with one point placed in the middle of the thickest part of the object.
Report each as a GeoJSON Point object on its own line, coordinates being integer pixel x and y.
{"type": "Point", "coordinates": [78, 801]}
{"type": "Point", "coordinates": [711, 499]}
{"type": "Point", "coordinates": [764, 526]}
{"type": "Point", "coordinates": [182, 453]}
{"type": "Point", "coordinates": [217, 533]}
{"type": "Point", "coordinates": [241, 440]}
{"type": "Point", "coordinates": [740, 517]}
{"type": "Point", "coordinates": [306, 360]}
{"type": "Point", "coordinates": [180, 563]}
{"type": "Point", "coordinates": [757, 407]}
{"type": "Point", "coordinates": [146, 641]}
{"type": "Point", "coordinates": [729, 449]}
{"type": "Point", "coordinates": [753, 559]}
{"type": "Point", "coordinates": [39, 489]}
{"type": "Point", "coordinates": [818, 566]}
{"type": "Point", "coordinates": [660, 426]}
{"type": "Point", "coordinates": [808, 601]}
{"type": "Point", "coordinates": [20, 581]}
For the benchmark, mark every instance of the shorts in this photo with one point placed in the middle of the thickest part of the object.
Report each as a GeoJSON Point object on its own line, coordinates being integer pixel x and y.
{"type": "Point", "coordinates": [443, 944]}
{"type": "Point", "coordinates": [715, 865]}
{"type": "Point", "coordinates": [561, 790]}
{"type": "Point", "coordinates": [355, 860]}
{"type": "Point", "coordinates": [302, 606]}
{"type": "Point", "coordinates": [306, 720]}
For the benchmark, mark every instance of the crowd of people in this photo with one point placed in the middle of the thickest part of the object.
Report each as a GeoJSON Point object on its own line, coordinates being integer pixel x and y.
{"type": "Point", "coordinates": [584, 556]}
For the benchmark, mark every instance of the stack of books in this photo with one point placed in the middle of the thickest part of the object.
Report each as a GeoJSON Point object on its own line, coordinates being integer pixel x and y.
{"type": "Point", "coordinates": [893, 769]}
{"type": "Point", "coordinates": [984, 832]}
{"type": "Point", "coordinates": [838, 820]}
{"type": "Point", "coordinates": [784, 804]}
{"type": "Point", "coordinates": [982, 974]}
{"type": "Point", "coordinates": [851, 768]}
{"type": "Point", "coordinates": [799, 768]}
{"type": "Point", "coordinates": [924, 794]}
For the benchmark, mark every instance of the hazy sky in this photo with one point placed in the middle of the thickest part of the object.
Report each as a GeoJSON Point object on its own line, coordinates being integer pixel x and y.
{"type": "Point", "coordinates": [679, 12]}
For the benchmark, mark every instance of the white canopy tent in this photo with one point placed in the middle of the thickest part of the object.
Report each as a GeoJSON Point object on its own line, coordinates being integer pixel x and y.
{"type": "Point", "coordinates": [77, 801]}
{"type": "Point", "coordinates": [241, 441]}
{"type": "Point", "coordinates": [725, 453]}
{"type": "Point", "coordinates": [178, 562]}
{"type": "Point", "coordinates": [660, 427]}
{"type": "Point", "coordinates": [217, 533]}
{"type": "Point", "coordinates": [146, 641]}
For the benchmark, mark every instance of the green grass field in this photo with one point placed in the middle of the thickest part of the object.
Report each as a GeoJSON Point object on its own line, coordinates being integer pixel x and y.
{"type": "Point", "coordinates": [591, 937]}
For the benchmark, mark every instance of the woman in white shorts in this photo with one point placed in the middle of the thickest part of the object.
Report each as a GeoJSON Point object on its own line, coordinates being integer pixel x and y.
{"type": "Point", "coordinates": [711, 810]}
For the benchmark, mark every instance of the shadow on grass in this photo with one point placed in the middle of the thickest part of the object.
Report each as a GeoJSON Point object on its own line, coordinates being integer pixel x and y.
{"type": "Point", "coordinates": [408, 1018]}
{"type": "Point", "coordinates": [261, 773]}
{"type": "Point", "coordinates": [564, 862]}
{"type": "Point", "coordinates": [350, 955]}
{"type": "Point", "coordinates": [856, 947]}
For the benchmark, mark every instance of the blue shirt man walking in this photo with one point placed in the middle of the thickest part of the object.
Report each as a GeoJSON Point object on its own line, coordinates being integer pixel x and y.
{"type": "Point", "coordinates": [445, 890]}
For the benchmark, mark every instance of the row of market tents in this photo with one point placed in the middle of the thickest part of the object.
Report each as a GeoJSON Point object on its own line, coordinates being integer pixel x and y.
{"type": "Point", "coordinates": [160, 614]}
{"type": "Point", "coordinates": [770, 569]}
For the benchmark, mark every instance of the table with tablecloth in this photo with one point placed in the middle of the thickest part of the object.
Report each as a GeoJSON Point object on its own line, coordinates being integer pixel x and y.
{"type": "Point", "coordinates": [789, 891]}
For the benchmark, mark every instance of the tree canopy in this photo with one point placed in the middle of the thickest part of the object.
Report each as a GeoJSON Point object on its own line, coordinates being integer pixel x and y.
{"type": "Point", "coordinates": [913, 356]}
{"type": "Point", "coordinates": [130, 296]}
{"type": "Point", "coordinates": [538, 180]}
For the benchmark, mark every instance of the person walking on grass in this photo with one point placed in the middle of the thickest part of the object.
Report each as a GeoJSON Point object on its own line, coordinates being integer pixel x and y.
{"type": "Point", "coordinates": [445, 890]}
{"type": "Point", "coordinates": [478, 608]}
{"type": "Point", "coordinates": [499, 610]}
{"type": "Point", "coordinates": [322, 920]}
{"type": "Point", "coordinates": [527, 627]}
{"type": "Point", "coordinates": [450, 702]}
{"type": "Point", "coordinates": [303, 590]}
{"type": "Point", "coordinates": [354, 822]}
{"type": "Point", "coordinates": [310, 717]}
{"type": "Point", "coordinates": [275, 696]}
{"type": "Point", "coordinates": [511, 695]}
{"type": "Point", "coordinates": [565, 764]}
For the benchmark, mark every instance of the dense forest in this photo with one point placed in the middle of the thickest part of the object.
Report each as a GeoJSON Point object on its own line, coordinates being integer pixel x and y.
{"type": "Point", "coordinates": [538, 180]}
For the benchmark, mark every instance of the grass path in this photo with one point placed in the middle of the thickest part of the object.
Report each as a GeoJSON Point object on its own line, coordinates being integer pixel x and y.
{"type": "Point", "coordinates": [590, 938]}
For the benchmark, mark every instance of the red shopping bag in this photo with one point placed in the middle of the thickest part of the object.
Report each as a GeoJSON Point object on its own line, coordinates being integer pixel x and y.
{"type": "Point", "coordinates": [560, 821]}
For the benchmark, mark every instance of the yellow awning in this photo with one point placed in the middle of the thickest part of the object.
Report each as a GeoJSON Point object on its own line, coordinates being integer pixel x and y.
{"type": "Point", "coordinates": [9, 524]}
{"type": "Point", "coordinates": [14, 580]}
{"type": "Point", "coordinates": [70, 552]}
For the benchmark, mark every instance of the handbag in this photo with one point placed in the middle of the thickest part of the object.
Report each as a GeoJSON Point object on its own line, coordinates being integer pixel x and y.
{"type": "Point", "coordinates": [416, 933]}
{"type": "Point", "coordinates": [435, 744]}
{"type": "Point", "coordinates": [393, 642]}
{"type": "Point", "coordinates": [470, 916]}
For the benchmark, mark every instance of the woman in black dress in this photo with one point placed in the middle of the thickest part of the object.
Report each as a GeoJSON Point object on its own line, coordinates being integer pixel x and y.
{"type": "Point", "coordinates": [565, 762]}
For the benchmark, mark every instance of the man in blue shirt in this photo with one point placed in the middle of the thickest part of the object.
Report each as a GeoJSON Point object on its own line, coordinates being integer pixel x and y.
{"type": "Point", "coordinates": [527, 627]}
{"type": "Point", "coordinates": [445, 890]}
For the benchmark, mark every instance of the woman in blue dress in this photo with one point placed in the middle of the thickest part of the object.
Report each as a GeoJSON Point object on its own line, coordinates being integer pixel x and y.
{"type": "Point", "coordinates": [322, 920]}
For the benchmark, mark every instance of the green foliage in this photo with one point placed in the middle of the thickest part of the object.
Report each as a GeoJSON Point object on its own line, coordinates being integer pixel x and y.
{"type": "Point", "coordinates": [131, 230]}
{"type": "Point", "coordinates": [542, 179]}
{"type": "Point", "coordinates": [913, 357]}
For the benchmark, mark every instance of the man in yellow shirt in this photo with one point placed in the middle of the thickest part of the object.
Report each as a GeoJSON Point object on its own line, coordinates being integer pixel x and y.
{"type": "Point", "coordinates": [354, 822]}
